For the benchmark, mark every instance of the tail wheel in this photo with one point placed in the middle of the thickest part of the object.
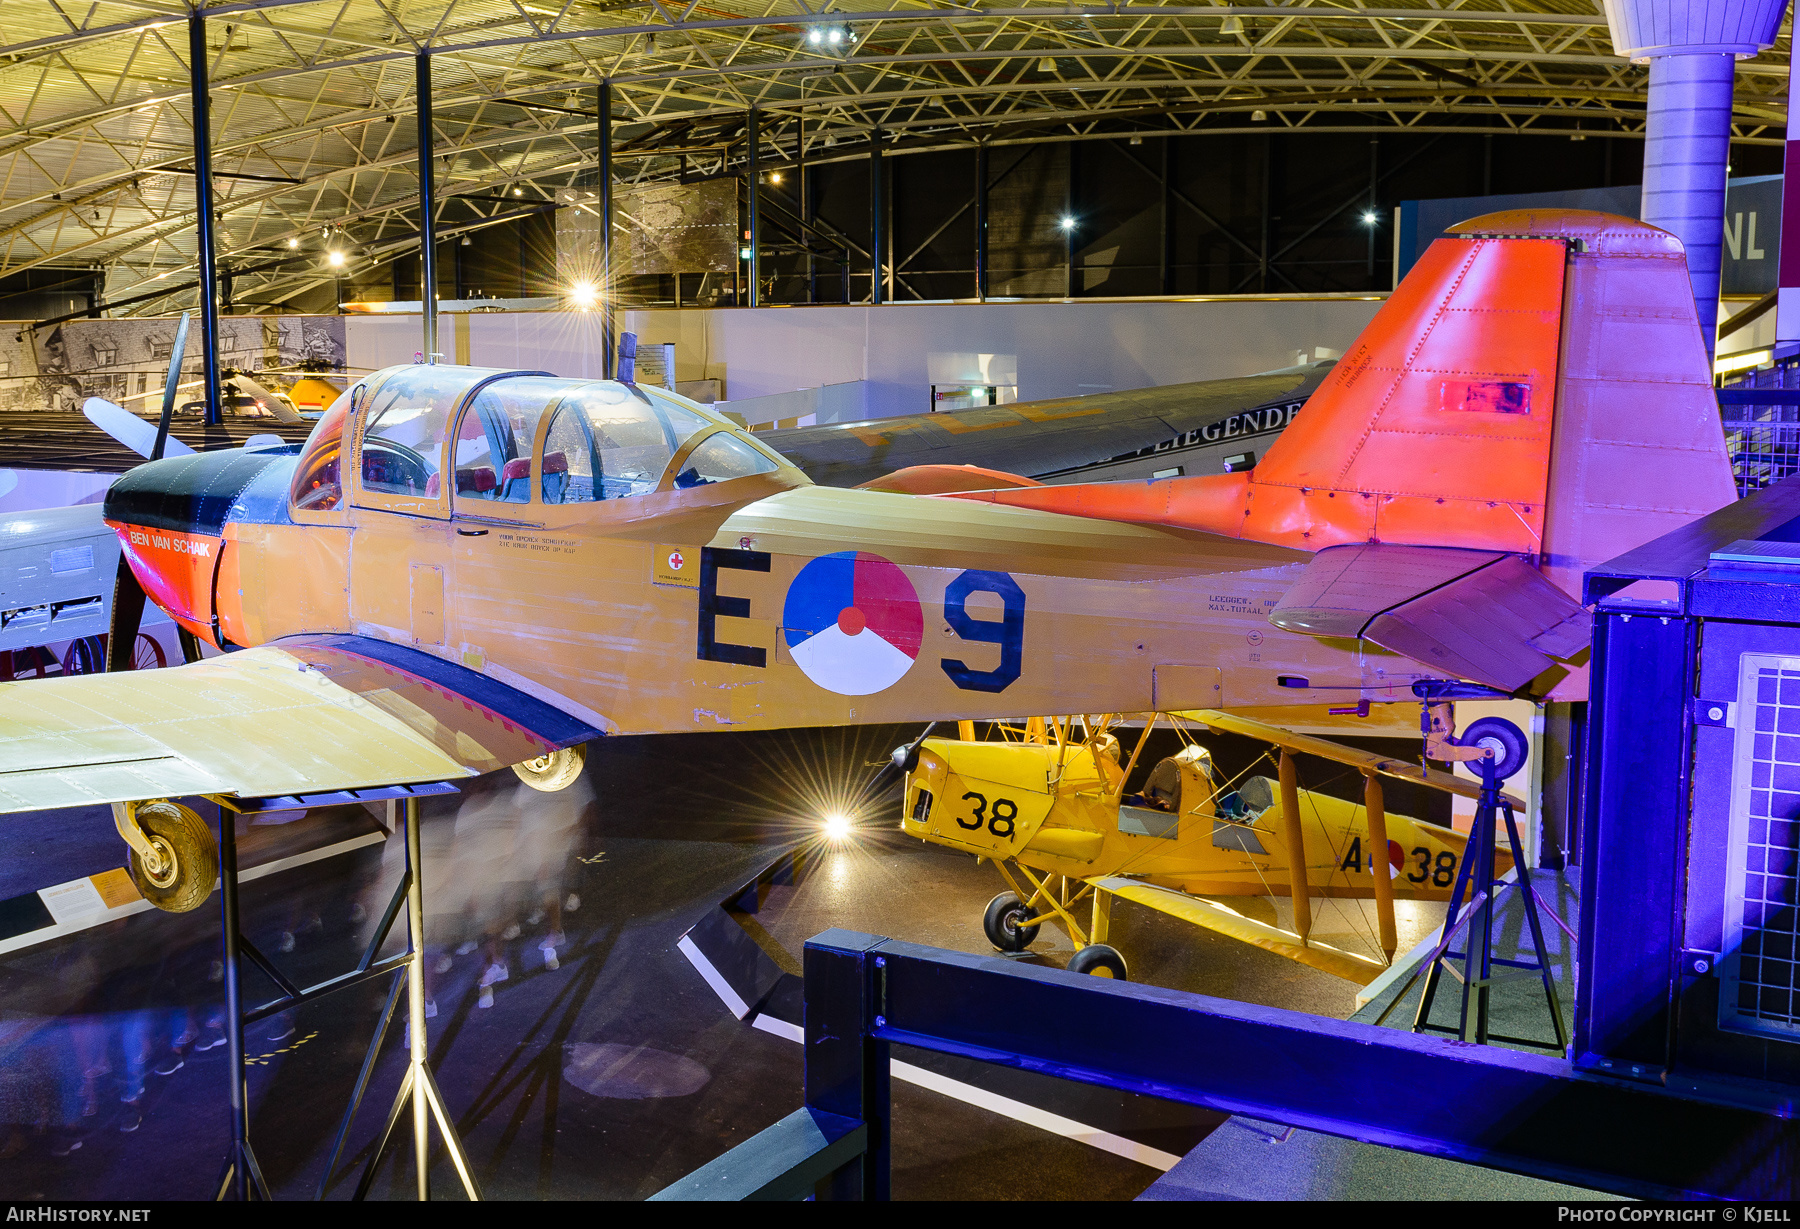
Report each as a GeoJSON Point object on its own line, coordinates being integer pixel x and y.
{"type": "Point", "coordinates": [189, 857]}
{"type": "Point", "coordinates": [554, 771]}
{"type": "Point", "coordinates": [1506, 740]}
{"type": "Point", "coordinates": [1100, 960]}
{"type": "Point", "coordinates": [147, 654]}
{"type": "Point", "coordinates": [1002, 924]}
{"type": "Point", "coordinates": [85, 656]}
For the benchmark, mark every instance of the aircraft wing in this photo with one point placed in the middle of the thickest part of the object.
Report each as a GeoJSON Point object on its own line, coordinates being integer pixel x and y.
{"type": "Point", "coordinates": [307, 715]}
{"type": "Point", "coordinates": [1033, 437]}
{"type": "Point", "coordinates": [1211, 915]}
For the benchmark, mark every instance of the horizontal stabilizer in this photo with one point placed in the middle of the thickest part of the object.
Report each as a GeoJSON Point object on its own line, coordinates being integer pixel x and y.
{"type": "Point", "coordinates": [1474, 615]}
{"type": "Point", "coordinates": [1346, 586]}
{"type": "Point", "coordinates": [1220, 919]}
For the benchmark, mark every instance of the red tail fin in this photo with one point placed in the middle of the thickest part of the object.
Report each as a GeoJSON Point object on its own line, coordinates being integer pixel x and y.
{"type": "Point", "coordinates": [1540, 357]}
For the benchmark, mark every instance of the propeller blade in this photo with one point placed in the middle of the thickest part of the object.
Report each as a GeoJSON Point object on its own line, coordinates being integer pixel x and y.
{"type": "Point", "coordinates": [127, 616]}
{"type": "Point", "coordinates": [902, 761]}
{"type": "Point", "coordinates": [130, 430]}
{"type": "Point", "coordinates": [168, 411]}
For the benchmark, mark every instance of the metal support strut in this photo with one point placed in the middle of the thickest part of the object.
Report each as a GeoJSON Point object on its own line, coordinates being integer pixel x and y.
{"type": "Point", "coordinates": [1478, 960]}
{"type": "Point", "coordinates": [418, 1085]}
{"type": "Point", "coordinates": [240, 1174]}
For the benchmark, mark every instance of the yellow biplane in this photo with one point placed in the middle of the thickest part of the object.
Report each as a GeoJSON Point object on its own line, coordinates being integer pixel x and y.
{"type": "Point", "coordinates": [1049, 806]}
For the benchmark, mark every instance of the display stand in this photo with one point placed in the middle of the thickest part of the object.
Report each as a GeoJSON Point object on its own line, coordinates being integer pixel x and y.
{"type": "Point", "coordinates": [1477, 974]}
{"type": "Point", "coordinates": [240, 1173]}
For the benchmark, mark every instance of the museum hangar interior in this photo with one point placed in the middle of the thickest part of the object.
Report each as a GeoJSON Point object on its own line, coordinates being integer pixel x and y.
{"type": "Point", "coordinates": [610, 600]}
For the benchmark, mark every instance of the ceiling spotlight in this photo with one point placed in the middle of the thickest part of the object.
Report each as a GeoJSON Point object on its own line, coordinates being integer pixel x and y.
{"type": "Point", "coordinates": [335, 259]}
{"type": "Point", "coordinates": [817, 36]}
{"type": "Point", "coordinates": [1232, 25]}
{"type": "Point", "coordinates": [1369, 218]}
{"type": "Point", "coordinates": [1067, 223]}
{"type": "Point", "coordinates": [584, 294]}
{"type": "Point", "coordinates": [293, 243]}
{"type": "Point", "coordinates": [774, 176]}
{"type": "Point", "coordinates": [1047, 65]}
{"type": "Point", "coordinates": [743, 253]}
{"type": "Point", "coordinates": [518, 192]}
{"type": "Point", "coordinates": [835, 37]}
{"type": "Point", "coordinates": [1257, 117]}
{"type": "Point", "coordinates": [465, 241]}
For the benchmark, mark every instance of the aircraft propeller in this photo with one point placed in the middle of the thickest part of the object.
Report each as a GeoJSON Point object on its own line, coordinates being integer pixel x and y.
{"type": "Point", "coordinates": [903, 760]}
{"type": "Point", "coordinates": [128, 594]}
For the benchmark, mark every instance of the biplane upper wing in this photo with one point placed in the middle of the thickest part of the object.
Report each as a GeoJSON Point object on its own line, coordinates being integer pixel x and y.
{"type": "Point", "coordinates": [1210, 915]}
{"type": "Point", "coordinates": [307, 715]}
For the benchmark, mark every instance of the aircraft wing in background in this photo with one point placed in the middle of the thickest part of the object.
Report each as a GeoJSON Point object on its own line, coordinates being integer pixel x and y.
{"type": "Point", "coordinates": [1034, 438]}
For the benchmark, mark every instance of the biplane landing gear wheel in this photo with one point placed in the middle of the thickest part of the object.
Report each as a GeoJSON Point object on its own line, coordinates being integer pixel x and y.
{"type": "Point", "coordinates": [85, 656]}
{"type": "Point", "coordinates": [188, 862]}
{"type": "Point", "coordinates": [1100, 960]}
{"type": "Point", "coordinates": [555, 771]}
{"type": "Point", "coordinates": [1004, 913]}
{"type": "Point", "coordinates": [1503, 738]}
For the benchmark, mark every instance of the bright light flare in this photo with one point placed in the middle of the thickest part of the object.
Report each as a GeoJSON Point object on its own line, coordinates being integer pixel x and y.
{"type": "Point", "coordinates": [1369, 218]}
{"type": "Point", "coordinates": [584, 294]}
{"type": "Point", "coordinates": [836, 827]}
{"type": "Point", "coordinates": [335, 259]}
{"type": "Point", "coordinates": [1067, 223]}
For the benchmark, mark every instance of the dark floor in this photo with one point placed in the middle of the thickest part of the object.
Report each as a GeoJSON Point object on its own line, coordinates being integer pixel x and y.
{"type": "Point", "coordinates": [606, 1078]}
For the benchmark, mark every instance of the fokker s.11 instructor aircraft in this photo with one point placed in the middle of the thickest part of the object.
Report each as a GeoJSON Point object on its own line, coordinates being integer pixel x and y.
{"type": "Point", "coordinates": [465, 569]}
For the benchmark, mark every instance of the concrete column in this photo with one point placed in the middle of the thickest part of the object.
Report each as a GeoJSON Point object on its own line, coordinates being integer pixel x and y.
{"type": "Point", "coordinates": [1687, 143]}
{"type": "Point", "coordinates": [1692, 49]}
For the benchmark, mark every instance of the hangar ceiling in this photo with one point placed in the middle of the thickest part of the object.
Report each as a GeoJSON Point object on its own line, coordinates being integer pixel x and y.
{"type": "Point", "coordinates": [313, 103]}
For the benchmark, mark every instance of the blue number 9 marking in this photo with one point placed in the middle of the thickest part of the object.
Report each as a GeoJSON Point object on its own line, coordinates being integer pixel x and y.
{"type": "Point", "coordinates": [1008, 633]}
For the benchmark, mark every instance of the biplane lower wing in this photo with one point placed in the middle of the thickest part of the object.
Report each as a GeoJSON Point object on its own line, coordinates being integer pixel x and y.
{"type": "Point", "coordinates": [311, 715]}
{"type": "Point", "coordinates": [1210, 915]}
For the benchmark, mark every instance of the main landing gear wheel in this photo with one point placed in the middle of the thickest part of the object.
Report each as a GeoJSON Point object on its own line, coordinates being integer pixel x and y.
{"type": "Point", "coordinates": [554, 771]}
{"type": "Point", "coordinates": [189, 857]}
{"type": "Point", "coordinates": [1506, 740]}
{"type": "Point", "coordinates": [1004, 913]}
{"type": "Point", "coordinates": [1100, 960]}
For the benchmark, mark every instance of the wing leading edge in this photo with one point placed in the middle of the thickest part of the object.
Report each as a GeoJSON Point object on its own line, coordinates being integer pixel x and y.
{"type": "Point", "coordinates": [317, 714]}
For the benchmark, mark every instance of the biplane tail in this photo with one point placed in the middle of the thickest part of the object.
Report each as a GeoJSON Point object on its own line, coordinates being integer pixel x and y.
{"type": "Point", "coordinates": [1534, 398]}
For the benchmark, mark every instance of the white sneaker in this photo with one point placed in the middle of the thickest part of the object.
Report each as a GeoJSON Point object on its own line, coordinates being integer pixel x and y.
{"type": "Point", "coordinates": [556, 938]}
{"type": "Point", "coordinates": [550, 961]}
{"type": "Point", "coordinates": [443, 964]}
{"type": "Point", "coordinates": [287, 942]}
{"type": "Point", "coordinates": [431, 1009]}
{"type": "Point", "coordinates": [537, 915]}
{"type": "Point", "coordinates": [466, 946]}
{"type": "Point", "coordinates": [510, 933]}
{"type": "Point", "coordinates": [487, 997]}
{"type": "Point", "coordinates": [572, 904]}
{"type": "Point", "coordinates": [496, 972]}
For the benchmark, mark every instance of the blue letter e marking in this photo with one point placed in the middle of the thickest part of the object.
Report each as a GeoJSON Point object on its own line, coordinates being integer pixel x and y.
{"type": "Point", "coordinates": [1008, 633]}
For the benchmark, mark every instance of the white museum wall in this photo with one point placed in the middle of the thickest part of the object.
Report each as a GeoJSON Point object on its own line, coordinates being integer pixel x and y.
{"type": "Point", "coordinates": [894, 353]}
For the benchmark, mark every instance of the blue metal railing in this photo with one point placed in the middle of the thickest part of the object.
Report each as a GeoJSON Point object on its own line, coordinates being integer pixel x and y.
{"type": "Point", "coordinates": [1510, 1110]}
{"type": "Point", "coordinates": [1761, 416]}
